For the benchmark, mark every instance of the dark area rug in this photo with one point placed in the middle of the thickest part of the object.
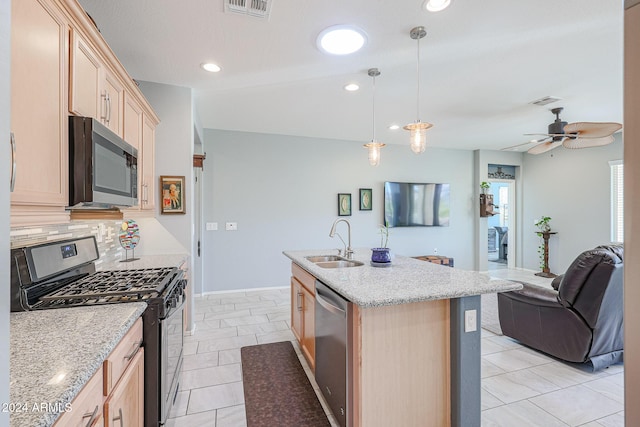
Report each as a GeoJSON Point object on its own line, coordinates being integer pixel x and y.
{"type": "Point", "coordinates": [277, 392]}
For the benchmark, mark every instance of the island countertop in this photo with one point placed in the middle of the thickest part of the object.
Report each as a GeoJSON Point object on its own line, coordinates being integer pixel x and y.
{"type": "Point", "coordinates": [55, 352]}
{"type": "Point", "coordinates": [407, 280]}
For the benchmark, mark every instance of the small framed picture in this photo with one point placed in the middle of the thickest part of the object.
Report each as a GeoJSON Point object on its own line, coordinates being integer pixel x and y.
{"type": "Point", "coordinates": [172, 195]}
{"type": "Point", "coordinates": [344, 204]}
{"type": "Point", "coordinates": [365, 199]}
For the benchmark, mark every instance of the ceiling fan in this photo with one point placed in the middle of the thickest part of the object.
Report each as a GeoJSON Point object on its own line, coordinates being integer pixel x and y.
{"type": "Point", "coordinates": [571, 135]}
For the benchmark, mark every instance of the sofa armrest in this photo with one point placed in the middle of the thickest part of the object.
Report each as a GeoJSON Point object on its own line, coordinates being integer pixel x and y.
{"type": "Point", "coordinates": [534, 295]}
{"type": "Point", "coordinates": [555, 283]}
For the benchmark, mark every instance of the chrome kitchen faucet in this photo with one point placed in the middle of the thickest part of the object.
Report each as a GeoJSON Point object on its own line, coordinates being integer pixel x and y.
{"type": "Point", "coordinates": [348, 252]}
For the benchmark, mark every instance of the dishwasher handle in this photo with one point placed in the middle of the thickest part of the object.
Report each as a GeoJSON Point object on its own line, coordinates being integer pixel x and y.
{"type": "Point", "coordinates": [326, 304]}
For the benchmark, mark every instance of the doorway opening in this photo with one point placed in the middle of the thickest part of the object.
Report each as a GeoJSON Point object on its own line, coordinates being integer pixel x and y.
{"type": "Point", "coordinates": [500, 228]}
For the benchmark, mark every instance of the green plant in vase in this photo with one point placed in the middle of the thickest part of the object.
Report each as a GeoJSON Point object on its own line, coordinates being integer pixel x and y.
{"type": "Point", "coordinates": [381, 254]}
{"type": "Point", "coordinates": [543, 226]}
{"type": "Point", "coordinates": [484, 186]}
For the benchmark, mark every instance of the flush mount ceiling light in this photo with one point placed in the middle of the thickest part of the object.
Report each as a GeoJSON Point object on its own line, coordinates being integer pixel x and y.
{"type": "Point", "coordinates": [394, 127]}
{"type": "Point", "coordinates": [436, 5]}
{"type": "Point", "coordinates": [374, 146]}
{"type": "Point", "coordinates": [418, 129]}
{"type": "Point", "coordinates": [351, 87]}
{"type": "Point", "coordinates": [341, 39]}
{"type": "Point", "coordinates": [210, 67]}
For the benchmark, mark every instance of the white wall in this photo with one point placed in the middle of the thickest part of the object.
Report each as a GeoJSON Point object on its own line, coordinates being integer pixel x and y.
{"type": "Point", "coordinates": [282, 192]}
{"type": "Point", "coordinates": [5, 110]}
{"type": "Point", "coordinates": [174, 150]}
{"type": "Point", "coordinates": [573, 187]}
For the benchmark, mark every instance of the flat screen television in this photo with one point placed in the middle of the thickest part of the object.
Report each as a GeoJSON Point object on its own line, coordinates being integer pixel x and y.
{"type": "Point", "coordinates": [408, 204]}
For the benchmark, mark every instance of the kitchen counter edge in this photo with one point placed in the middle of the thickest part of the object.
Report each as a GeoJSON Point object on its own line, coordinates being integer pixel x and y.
{"type": "Point", "coordinates": [55, 352]}
{"type": "Point", "coordinates": [407, 280]}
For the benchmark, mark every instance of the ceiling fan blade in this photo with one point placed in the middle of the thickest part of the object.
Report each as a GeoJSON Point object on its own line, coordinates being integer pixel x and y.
{"type": "Point", "coordinates": [533, 141]}
{"type": "Point", "coordinates": [592, 129]}
{"type": "Point", "coordinates": [581, 142]}
{"type": "Point", "coordinates": [544, 147]}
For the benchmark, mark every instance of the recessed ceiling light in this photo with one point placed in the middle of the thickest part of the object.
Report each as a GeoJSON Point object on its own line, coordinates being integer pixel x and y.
{"type": "Point", "coordinates": [394, 127]}
{"type": "Point", "coordinates": [341, 39]}
{"type": "Point", "coordinates": [211, 67]}
{"type": "Point", "coordinates": [351, 87]}
{"type": "Point", "coordinates": [436, 5]}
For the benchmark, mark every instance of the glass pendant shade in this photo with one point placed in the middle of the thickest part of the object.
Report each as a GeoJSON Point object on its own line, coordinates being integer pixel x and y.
{"type": "Point", "coordinates": [374, 146]}
{"type": "Point", "coordinates": [418, 130]}
{"type": "Point", "coordinates": [418, 135]}
{"type": "Point", "coordinates": [374, 152]}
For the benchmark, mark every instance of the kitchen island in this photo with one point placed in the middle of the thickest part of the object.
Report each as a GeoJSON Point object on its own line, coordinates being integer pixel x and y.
{"type": "Point", "coordinates": [410, 361]}
{"type": "Point", "coordinates": [55, 352]}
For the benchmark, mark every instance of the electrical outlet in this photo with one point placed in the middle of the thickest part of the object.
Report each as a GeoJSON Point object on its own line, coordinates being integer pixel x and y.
{"type": "Point", "coordinates": [212, 226]}
{"type": "Point", "coordinates": [231, 226]}
{"type": "Point", "coordinates": [435, 251]}
{"type": "Point", "coordinates": [470, 321]}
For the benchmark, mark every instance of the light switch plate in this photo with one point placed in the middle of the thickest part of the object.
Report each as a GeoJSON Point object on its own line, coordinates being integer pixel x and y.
{"type": "Point", "coordinates": [231, 226]}
{"type": "Point", "coordinates": [470, 320]}
{"type": "Point", "coordinates": [212, 226]}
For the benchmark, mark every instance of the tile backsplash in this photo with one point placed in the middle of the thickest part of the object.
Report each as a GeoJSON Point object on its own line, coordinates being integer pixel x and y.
{"type": "Point", "coordinates": [105, 231]}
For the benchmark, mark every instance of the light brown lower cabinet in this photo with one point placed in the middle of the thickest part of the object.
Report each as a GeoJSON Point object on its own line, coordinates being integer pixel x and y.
{"type": "Point", "coordinates": [303, 302]}
{"type": "Point", "coordinates": [86, 408]}
{"type": "Point", "coordinates": [125, 406]}
{"type": "Point", "coordinates": [114, 396]}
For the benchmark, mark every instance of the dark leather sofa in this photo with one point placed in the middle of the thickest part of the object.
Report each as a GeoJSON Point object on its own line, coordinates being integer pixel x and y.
{"type": "Point", "coordinates": [579, 320]}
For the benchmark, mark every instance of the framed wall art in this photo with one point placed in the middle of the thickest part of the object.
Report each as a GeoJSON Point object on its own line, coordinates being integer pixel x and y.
{"type": "Point", "coordinates": [344, 204]}
{"type": "Point", "coordinates": [172, 195]}
{"type": "Point", "coordinates": [365, 199]}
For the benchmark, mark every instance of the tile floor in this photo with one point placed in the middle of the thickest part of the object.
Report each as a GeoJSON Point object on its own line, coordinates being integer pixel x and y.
{"type": "Point", "coordinates": [520, 387]}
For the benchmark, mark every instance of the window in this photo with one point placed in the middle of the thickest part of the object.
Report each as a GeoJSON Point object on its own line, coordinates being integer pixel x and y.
{"type": "Point", "coordinates": [617, 201]}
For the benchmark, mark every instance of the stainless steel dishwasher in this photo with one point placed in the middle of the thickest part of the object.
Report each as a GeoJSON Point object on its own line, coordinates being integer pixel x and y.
{"type": "Point", "coordinates": [333, 340]}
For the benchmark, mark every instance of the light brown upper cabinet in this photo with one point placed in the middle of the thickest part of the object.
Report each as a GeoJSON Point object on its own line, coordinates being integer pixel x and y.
{"type": "Point", "coordinates": [132, 121]}
{"type": "Point", "coordinates": [39, 46]}
{"type": "Point", "coordinates": [94, 90]}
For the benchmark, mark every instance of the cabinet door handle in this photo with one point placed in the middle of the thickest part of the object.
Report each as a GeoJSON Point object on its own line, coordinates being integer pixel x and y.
{"type": "Point", "coordinates": [13, 163]}
{"type": "Point", "coordinates": [136, 347]}
{"type": "Point", "coordinates": [103, 106]}
{"type": "Point", "coordinates": [108, 108]}
{"type": "Point", "coordinates": [119, 418]}
{"type": "Point", "coordinates": [299, 301]}
{"type": "Point", "coordinates": [145, 193]}
{"type": "Point", "coordinates": [93, 416]}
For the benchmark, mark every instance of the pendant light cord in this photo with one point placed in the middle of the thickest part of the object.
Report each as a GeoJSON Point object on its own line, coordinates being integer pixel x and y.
{"type": "Point", "coordinates": [418, 74]}
{"type": "Point", "coordinates": [374, 109]}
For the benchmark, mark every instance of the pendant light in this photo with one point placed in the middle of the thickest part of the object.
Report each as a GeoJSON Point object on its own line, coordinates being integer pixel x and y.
{"type": "Point", "coordinates": [418, 129]}
{"type": "Point", "coordinates": [374, 146]}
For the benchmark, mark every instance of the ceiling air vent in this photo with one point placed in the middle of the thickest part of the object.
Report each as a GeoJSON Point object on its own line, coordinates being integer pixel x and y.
{"type": "Point", "coordinates": [257, 8]}
{"type": "Point", "coordinates": [546, 100]}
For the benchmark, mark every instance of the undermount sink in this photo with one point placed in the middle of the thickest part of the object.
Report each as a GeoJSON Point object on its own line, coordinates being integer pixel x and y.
{"type": "Point", "coordinates": [339, 264]}
{"type": "Point", "coordinates": [324, 258]}
{"type": "Point", "coordinates": [333, 261]}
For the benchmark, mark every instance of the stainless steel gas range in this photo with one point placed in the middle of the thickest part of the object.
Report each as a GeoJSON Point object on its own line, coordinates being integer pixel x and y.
{"type": "Point", "coordinates": [63, 274]}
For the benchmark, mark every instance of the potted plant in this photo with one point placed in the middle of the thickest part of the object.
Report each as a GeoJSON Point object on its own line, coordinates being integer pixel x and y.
{"type": "Point", "coordinates": [381, 254]}
{"type": "Point", "coordinates": [543, 224]}
{"type": "Point", "coordinates": [543, 227]}
{"type": "Point", "coordinates": [484, 186]}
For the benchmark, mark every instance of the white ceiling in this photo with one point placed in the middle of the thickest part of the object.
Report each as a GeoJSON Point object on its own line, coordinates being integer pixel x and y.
{"type": "Point", "coordinates": [482, 62]}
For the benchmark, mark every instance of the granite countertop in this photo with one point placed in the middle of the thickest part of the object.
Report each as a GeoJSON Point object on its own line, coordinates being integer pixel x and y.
{"type": "Point", "coordinates": [145, 261]}
{"type": "Point", "coordinates": [407, 280]}
{"type": "Point", "coordinates": [55, 352]}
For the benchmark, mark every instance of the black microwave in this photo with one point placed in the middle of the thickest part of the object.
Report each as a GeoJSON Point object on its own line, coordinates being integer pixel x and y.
{"type": "Point", "coordinates": [103, 168]}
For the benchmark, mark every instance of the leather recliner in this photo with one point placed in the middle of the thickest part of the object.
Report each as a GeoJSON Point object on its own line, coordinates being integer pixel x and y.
{"type": "Point", "coordinates": [579, 320]}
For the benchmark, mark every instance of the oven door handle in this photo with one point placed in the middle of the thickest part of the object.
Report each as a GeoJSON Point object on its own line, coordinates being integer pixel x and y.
{"type": "Point", "coordinates": [136, 347]}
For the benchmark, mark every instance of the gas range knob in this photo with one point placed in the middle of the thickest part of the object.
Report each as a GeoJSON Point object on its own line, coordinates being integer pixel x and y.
{"type": "Point", "coordinates": [174, 303]}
